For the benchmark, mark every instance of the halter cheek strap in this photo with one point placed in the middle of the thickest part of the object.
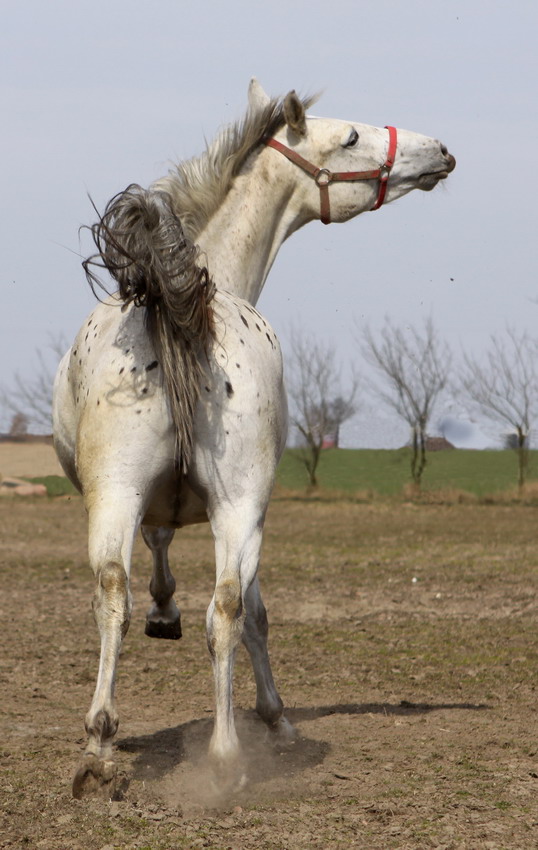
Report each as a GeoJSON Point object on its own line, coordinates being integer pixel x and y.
{"type": "Point", "coordinates": [323, 177]}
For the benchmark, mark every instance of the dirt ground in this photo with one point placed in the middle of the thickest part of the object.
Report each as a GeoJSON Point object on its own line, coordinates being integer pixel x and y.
{"type": "Point", "coordinates": [403, 640]}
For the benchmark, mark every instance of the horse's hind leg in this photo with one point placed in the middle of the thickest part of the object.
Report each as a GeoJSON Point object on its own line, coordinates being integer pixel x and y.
{"type": "Point", "coordinates": [111, 538]}
{"type": "Point", "coordinates": [163, 619]}
{"type": "Point", "coordinates": [268, 702]}
{"type": "Point", "coordinates": [237, 547]}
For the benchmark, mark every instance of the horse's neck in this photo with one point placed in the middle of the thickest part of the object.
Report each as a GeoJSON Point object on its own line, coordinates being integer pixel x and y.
{"type": "Point", "coordinates": [242, 239]}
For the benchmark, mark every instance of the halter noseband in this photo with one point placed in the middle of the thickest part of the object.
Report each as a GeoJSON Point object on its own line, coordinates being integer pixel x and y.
{"type": "Point", "coordinates": [324, 177]}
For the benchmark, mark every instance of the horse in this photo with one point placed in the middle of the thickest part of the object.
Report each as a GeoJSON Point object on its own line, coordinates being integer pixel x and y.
{"type": "Point", "coordinates": [170, 407]}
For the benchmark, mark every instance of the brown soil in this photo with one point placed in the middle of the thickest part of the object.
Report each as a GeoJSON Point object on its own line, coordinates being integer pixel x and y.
{"type": "Point", "coordinates": [403, 641]}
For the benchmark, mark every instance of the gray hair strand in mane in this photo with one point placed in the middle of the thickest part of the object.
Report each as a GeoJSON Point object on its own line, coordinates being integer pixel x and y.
{"type": "Point", "coordinates": [141, 242]}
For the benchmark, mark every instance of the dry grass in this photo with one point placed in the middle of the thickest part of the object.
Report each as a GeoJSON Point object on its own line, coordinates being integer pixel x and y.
{"type": "Point", "coordinates": [28, 460]}
{"type": "Point", "coordinates": [439, 496]}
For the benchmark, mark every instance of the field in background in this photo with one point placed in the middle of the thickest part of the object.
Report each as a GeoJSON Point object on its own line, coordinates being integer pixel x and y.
{"type": "Point", "coordinates": [383, 472]}
{"type": "Point", "coordinates": [386, 472]}
{"type": "Point", "coordinates": [28, 460]}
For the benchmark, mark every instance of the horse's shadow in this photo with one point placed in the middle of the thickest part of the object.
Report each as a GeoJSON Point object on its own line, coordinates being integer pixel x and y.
{"type": "Point", "coordinates": [161, 752]}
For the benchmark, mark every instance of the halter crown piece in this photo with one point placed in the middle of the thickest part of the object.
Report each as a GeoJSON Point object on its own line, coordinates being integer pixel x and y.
{"type": "Point", "coordinates": [324, 177]}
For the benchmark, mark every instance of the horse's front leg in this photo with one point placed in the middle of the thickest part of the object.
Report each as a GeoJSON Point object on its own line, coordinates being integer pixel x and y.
{"type": "Point", "coordinates": [163, 619]}
{"type": "Point", "coordinates": [110, 545]}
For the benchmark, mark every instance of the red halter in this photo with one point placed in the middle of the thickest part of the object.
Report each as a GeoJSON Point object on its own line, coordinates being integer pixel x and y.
{"type": "Point", "coordinates": [324, 177]}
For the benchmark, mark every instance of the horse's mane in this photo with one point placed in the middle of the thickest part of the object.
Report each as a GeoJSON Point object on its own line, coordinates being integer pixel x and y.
{"type": "Point", "coordinates": [198, 186]}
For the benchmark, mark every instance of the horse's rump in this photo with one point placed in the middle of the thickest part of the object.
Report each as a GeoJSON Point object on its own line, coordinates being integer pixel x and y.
{"type": "Point", "coordinates": [142, 244]}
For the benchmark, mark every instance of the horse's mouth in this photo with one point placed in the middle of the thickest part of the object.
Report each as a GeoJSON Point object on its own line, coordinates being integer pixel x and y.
{"type": "Point", "coordinates": [430, 180]}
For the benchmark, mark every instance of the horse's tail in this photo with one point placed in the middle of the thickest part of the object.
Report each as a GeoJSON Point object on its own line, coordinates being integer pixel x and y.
{"type": "Point", "coordinates": [141, 242]}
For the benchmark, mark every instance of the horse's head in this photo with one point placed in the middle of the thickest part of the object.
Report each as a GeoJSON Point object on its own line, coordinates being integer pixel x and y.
{"type": "Point", "coordinates": [347, 168]}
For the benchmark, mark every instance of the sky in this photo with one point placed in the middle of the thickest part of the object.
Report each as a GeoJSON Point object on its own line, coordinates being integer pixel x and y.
{"type": "Point", "coordinates": [96, 95]}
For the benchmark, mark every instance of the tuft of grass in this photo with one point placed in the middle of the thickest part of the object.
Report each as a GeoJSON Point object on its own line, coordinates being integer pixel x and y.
{"type": "Point", "coordinates": [56, 485]}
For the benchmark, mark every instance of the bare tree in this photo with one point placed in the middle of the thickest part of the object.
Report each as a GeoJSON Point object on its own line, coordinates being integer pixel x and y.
{"type": "Point", "coordinates": [32, 396]}
{"type": "Point", "coordinates": [504, 387]}
{"type": "Point", "coordinates": [415, 364]}
{"type": "Point", "coordinates": [319, 406]}
{"type": "Point", "coordinates": [19, 425]}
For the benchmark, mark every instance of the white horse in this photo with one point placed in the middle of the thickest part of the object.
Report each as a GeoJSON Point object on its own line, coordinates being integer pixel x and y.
{"type": "Point", "coordinates": [170, 407]}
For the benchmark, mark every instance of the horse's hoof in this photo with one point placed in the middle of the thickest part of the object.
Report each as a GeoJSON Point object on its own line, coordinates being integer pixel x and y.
{"type": "Point", "coordinates": [282, 735]}
{"type": "Point", "coordinates": [227, 779]}
{"type": "Point", "coordinates": [94, 776]}
{"type": "Point", "coordinates": [163, 629]}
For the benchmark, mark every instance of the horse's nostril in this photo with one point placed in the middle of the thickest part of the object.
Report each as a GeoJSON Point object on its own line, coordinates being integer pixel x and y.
{"type": "Point", "coordinates": [444, 150]}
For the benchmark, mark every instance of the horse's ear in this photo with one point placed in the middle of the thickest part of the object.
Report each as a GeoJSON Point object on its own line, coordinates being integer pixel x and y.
{"type": "Point", "coordinates": [294, 113]}
{"type": "Point", "coordinates": [257, 97]}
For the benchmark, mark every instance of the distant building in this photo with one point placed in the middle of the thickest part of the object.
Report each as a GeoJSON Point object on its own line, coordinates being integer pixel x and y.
{"type": "Point", "coordinates": [438, 444]}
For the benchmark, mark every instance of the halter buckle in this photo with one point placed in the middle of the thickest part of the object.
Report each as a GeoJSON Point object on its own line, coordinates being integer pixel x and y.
{"type": "Point", "coordinates": [384, 173]}
{"type": "Point", "coordinates": [323, 177]}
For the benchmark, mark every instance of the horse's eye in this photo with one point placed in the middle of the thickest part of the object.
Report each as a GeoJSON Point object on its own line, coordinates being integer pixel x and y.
{"type": "Point", "coordinates": [353, 139]}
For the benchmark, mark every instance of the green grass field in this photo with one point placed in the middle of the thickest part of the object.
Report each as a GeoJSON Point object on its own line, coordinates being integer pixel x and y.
{"type": "Point", "coordinates": [56, 485]}
{"type": "Point", "coordinates": [387, 472]}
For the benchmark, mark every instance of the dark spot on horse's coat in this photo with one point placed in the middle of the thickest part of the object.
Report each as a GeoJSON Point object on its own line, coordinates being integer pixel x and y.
{"type": "Point", "coordinates": [122, 370]}
{"type": "Point", "coordinates": [127, 350]}
{"type": "Point", "coordinates": [270, 340]}
{"type": "Point", "coordinates": [238, 366]}
{"type": "Point", "coordinates": [152, 365]}
{"type": "Point", "coordinates": [98, 402]}
{"type": "Point", "coordinates": [144, 391]}
{"type": "Point", "coordinates": [229, 389]}
{"type": "Point", "coordinates": [242, 341]}
{"type": "Point", "coordinates": [258, 327]}
{"type": "Point", "coordinates": [207, 389]}
{"type": "Point", "coordinates": [244, 321]}
{"type": "Point", "coordinates": [139, 411]}
{"type": "Point", "coordinates": [133, 369]}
